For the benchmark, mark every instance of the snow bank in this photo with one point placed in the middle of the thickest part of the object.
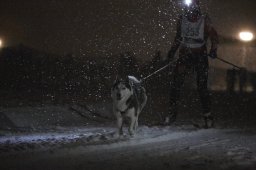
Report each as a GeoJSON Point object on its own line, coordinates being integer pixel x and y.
{"type": "Point", "coordinates": [42, 117]}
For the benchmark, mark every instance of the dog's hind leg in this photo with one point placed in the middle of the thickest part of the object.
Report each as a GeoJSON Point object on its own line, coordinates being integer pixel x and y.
{"type": "Point", "coordinates": [136, 124]}
{"type": "Point", "coordinates": [145, 99]}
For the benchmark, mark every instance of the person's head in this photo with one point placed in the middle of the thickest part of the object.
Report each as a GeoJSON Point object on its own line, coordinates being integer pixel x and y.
{"type": "Point", "coordinates": [192, 8]}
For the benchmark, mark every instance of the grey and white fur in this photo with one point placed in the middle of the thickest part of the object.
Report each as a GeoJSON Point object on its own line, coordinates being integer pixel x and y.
{"type": "Point", "coordinates": [129, 98]}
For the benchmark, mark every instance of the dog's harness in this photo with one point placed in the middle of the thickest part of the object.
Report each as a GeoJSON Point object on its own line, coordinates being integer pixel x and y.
{"type": "Point", "coordinates": [133, 99]}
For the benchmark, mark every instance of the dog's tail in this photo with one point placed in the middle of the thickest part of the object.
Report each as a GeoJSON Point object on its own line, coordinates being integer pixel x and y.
{"type": "Point", "coordinates": [134, 80]}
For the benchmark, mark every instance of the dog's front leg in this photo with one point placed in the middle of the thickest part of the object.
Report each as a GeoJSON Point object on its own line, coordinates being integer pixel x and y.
{"type": "Point", "coordinates": [132, 122]}
{"type": "Point", "coordinates": [120, 124]}
{"type": "Point", "coordinates": [136, 124]}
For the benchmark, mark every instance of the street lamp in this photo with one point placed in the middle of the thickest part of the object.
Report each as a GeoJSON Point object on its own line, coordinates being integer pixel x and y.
{"type": "Point", "coordinates": [246, 36]}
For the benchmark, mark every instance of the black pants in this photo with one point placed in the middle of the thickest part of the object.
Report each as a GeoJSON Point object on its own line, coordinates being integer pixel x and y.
{"type": "Point", "coordinates": [199, 63]}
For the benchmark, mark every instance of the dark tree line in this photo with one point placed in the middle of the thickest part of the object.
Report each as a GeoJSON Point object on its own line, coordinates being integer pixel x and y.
{"type": "Point", "coordinates": [28, 70]}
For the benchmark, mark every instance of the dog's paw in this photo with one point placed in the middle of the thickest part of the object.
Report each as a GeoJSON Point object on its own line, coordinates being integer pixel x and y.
{"type": "Point", "coordinates": [118, 134]}
{"type": "Point", "coordinates": [131, 133]}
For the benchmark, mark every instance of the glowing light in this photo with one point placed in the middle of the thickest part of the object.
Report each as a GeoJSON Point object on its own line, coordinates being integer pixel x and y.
{"type": "Point", "coordinates": [246, 36]}
{"type": "Point", "coordinates": [188, 2]}
{"type": "Point", "coordinates": [1, 43]}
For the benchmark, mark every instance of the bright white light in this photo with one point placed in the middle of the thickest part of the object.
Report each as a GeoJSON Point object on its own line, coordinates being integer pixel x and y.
{"type": "Point", "coordinates": [1, 43]}
{"type": "Point", "coordinates": [246, 36]}
{"type": "Point", "coordinates": [188, 2]}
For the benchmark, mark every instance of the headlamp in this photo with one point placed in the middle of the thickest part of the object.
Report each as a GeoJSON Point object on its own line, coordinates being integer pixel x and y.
{"type": "Point", "coordinates": [188, 2]}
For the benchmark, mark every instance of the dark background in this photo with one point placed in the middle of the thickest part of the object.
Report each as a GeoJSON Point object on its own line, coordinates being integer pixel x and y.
{"type": "Point", "coordinates": [107, 27]}
{"type": "Point", "coordinates": [70, 52]}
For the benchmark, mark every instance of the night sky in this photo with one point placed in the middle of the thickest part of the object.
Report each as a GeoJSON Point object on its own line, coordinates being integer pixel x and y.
{"type": "Point", "coordinates": [106, 27]}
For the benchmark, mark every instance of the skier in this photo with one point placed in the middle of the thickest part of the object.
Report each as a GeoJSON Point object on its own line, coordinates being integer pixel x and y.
{"type": "Point", "coordinates": [193, 31]}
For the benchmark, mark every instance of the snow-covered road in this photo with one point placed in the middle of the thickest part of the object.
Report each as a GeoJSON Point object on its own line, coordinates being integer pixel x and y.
{"type": "Point", "coordinates": [177, 147]}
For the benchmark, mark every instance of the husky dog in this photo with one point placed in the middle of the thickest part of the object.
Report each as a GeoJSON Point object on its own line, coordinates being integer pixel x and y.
{"type": "Point", "coordinates": [129, 98]}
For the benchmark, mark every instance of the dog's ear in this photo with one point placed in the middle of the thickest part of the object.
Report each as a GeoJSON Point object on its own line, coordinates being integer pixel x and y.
{"type": "Point", "coordinates": [116, 79]}
{"type": "Point", "coordinates": [128, 84]}
{"type": "Point", "coordinates": [116, 82]}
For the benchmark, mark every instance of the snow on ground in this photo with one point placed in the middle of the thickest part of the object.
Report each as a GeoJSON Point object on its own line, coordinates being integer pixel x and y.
{"type": "Point", "coordinates": [88, 135]}
{"type": "Point", "coordinates": [76, 144]}
{"type": "Point", "coordinates": [10, 143]}
{"type": "Point", "coordinates": [182, 147]}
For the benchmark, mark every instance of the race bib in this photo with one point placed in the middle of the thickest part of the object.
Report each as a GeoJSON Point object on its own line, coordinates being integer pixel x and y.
{"type": "Point", "coordinates": [192, 30]}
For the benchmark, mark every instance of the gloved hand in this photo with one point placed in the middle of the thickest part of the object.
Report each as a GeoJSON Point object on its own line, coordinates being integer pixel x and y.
{"type": "Point", "coordinates": [213, 53]}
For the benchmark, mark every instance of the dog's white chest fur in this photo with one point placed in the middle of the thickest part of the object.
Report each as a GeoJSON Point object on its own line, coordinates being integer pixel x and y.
{"type": "Point", "coordinates": [121, 105]}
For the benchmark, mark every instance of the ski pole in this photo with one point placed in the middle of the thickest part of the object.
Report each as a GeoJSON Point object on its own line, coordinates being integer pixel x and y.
{"type": "Point", "coordinates": [227, 62]}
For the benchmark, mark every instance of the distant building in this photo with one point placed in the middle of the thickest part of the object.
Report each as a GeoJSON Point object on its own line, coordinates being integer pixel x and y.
{"type": "Point", "coordinates": [239, 53]}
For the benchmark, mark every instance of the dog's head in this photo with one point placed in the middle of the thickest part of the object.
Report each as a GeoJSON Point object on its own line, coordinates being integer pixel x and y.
{"type": "Point", "coordinates": [121, 89]}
